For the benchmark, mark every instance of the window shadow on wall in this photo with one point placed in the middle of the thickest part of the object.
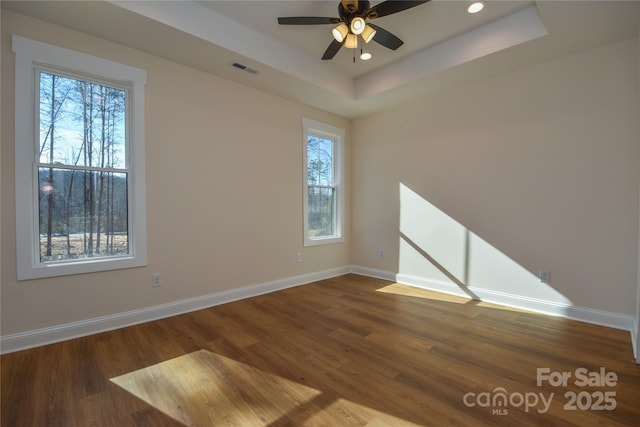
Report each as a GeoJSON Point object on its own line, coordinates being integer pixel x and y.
{"type": "Point", "coordinates": [439, 250]}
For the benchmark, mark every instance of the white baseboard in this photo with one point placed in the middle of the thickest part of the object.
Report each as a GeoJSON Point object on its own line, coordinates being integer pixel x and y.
{"type": "Point", "coordinates": [371, 272]}
{"type": "Point", "coordinates": [39, 337]}
{"type": "Point", "coordinates": [635, 340]}
{"type": "Point", "coordinates": [588, 315]}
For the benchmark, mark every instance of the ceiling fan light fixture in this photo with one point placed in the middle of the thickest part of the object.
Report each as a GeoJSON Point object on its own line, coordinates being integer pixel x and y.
{"type": "Point", "coordinates": [340, 32]}
{"type": "Point", "coordinates": [357, 25]}
{"type": "Point", "coordinates": [476, 6]}
{"type": "Point", "coordinates": [352, 23]}
{"type": "Point", "coordinates": [368, 33]}
{"type": "Point", "coordinates": [352, 41]}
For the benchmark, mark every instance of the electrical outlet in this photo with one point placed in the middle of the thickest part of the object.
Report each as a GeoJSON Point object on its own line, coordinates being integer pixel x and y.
{"type": "Point", "coordinates": [299, 258]}
{"type": "Point", "coordinates": [545, 276]}
{"type": "Point", "coordinates": [156, 280]}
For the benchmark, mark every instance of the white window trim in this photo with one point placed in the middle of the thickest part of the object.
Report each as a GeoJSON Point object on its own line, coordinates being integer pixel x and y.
{"type": "Point", "coordinates": [30, 54]}
{"type": "Point", "coordinates": [314, 127]}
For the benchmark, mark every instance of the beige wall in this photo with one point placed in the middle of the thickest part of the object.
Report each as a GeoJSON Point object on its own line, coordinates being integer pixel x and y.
{"type": "Point", "coordinates": [636, 338]}
{"type": "Point", "coordinates": [1, 126]}
{"type": "Point", "coordinates": [533, 169]}
{"type": "Point", "coordinates": [224, 192]}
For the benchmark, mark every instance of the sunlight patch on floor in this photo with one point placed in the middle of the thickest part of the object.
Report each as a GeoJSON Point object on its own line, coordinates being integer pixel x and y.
{"type": "Point", "coordinates": [206, 389]}
{"type": "Point", "coordinates": [412, 291]}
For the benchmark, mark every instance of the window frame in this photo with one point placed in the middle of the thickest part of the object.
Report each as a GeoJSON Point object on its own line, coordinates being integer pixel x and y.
{"type": "Point", "coordinates": [31, 57]}
{"type": "Point", "coordinates": [323, 130]}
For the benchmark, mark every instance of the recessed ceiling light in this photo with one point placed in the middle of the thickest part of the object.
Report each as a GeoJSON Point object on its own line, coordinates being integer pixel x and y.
{"type": "Point", "coordinates": [365, 56]}
{"type": "Point", "coordinates": [476, 6]}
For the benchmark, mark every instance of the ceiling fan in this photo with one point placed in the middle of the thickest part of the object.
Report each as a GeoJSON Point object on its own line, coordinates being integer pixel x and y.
{"type": "Point", "coordinates": [353, 23]}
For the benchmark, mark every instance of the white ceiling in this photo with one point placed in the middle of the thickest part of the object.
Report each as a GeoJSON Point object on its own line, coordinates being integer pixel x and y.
{"type": "Point", "coordinates": [420, 27]}
{"type": "Point", "coordinates": [443, 45]}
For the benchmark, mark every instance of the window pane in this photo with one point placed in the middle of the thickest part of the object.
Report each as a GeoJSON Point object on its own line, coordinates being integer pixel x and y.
{"type": "Point", "coordinates": [319, 161]}
{"type": "Point", "coordinates": [81, 123]}
{"type": "Point", "coordinates": [321, 211]}
{"type": "Point", "coordinates": [83, 214]}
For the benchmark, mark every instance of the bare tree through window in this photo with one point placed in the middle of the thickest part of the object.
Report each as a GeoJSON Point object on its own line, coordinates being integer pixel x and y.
{"type": "Point", "coordinates": [321, 186]}
{"type": "Point", "coordinates": [82, 169]}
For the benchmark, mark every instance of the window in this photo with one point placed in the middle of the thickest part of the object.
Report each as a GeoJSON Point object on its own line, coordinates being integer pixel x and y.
{"type": "Point", "coordinates": [323, 192]}
{"type": "Point", "coordinates": [80, 183]}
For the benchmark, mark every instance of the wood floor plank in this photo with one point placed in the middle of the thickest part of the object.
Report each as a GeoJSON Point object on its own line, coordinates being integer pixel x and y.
{"type": "Point", "coordinates": [347, 351]}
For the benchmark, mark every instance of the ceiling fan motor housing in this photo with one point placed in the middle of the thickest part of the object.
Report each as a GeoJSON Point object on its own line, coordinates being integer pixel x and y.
{"type": "Point", "coordinates": [350, 11]}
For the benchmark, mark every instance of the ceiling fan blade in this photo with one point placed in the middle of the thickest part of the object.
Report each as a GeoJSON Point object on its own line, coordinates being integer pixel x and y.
{"type": "Point", "coordinates": [307, 20]}
{"type": "Point", "coordinates": [386, 39]}
{"type": "Point", "coordinates": [333, 48]}
{"type": "Point", "coordinates": [392, 6]}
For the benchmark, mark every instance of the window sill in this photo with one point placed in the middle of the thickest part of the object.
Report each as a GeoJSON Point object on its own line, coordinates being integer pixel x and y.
{"type": "Point", "coordinates": [323, 240]}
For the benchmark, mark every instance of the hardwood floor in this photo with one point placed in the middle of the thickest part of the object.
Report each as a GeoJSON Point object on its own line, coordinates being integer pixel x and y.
{"type": "Point", "coordinates": [346, 351]}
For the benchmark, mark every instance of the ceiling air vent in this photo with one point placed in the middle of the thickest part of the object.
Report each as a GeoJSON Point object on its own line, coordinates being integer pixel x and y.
{"type": "Point", "coordinates": [244, 68]}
